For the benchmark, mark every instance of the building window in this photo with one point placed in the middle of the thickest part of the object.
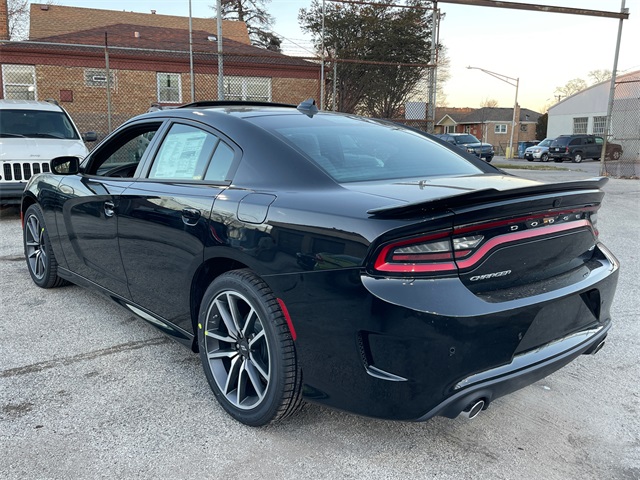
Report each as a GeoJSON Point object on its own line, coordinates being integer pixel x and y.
{"type": "Point", "coordinates": [169, 88]}
{"type": "Point", "coordinates": [97, 77]}
{"type": "Point", "coordinates": [598, 125]}
{"type": "Point", "coordinates": [500, 128]}
{"type": "Point", "coordinates": [247, 88]}
{"type": "Point", "coordinates": [580, 125]}
{"type": "Point", "coordinates": [19, 82]}
{"type": "Point", "coordinates": [450, 129]}
{"type": "Point", "coordinates": [467, 129]}
{"type": "Point", "coordinates": [524, 127]}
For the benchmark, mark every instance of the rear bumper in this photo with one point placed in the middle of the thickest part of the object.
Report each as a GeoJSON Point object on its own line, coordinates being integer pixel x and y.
{"type": "Point", "coordinates": [411, 349]}
{"type": "Point", "coordinates": [524, 370]}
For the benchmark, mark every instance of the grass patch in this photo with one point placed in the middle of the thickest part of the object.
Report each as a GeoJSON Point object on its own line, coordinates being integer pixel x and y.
{"type": "Point", "coordinates": [529, 167]}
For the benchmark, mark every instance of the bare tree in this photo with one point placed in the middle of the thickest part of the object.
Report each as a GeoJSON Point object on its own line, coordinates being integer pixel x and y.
{"type": "Point", "coordinates": [572, 86]}
{"type": "Point", "coordinates": [18, 18]}
{"type": "Point", "coordinates": [600, 75]}
{"type": "Point", "coordinates": [259, 21]}
{"type": "Point", "coordinates": [489, 103]}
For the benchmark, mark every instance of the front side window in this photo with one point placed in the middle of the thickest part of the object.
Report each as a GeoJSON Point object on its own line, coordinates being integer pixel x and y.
{"type": "Point", "coordinates": [169, 88]}
{"type": "Point", "coordinates": [580, 125]}
{"type": "Point", "coordinates": [257, 89]}
{"type": "Point", "coordinates": [120, 156]}
{"type": "Point", "coordinates": [19, 82]}
{"type": "Point", "coordinates": [500, 128]}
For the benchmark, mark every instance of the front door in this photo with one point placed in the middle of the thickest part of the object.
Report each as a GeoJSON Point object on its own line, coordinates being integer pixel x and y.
{"type": "Point", "coordinates": [88, 219]}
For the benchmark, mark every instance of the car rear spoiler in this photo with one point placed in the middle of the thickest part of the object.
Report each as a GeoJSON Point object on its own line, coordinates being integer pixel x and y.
{"type": "Point", "coordinates": [484, 196]}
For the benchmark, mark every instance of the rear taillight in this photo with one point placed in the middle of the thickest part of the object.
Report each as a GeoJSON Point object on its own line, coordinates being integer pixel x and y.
{"type": "Point", "coordinates": [466, 246]}
{"type": "Point", "coordinates": [433, 253]}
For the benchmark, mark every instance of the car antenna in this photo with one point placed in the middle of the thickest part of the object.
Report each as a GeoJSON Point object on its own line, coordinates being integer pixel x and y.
{"type": "Point", "coordinates": [308, 107]}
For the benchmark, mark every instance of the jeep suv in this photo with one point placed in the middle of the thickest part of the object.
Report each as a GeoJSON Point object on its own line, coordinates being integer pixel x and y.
{"type": "Point", "coordinates": [31, 134]}
{"type": "Point", "coordinates": [578, 147]}
{"type": "Point", "coordinates": [470, 144]}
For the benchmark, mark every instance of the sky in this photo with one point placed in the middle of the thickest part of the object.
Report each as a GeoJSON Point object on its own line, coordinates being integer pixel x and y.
{"type": "Point", "coordinates": [542, 50]}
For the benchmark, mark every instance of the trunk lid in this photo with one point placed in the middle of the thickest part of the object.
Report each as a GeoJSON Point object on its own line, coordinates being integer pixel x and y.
{"type": "Point", "coordinates": [499, 240]}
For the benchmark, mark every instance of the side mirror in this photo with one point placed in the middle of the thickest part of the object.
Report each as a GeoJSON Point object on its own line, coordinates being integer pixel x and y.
{"type": "Point", "coordinates": [90, 136]}
{"type": "Point", "coordinates": [65, 165]}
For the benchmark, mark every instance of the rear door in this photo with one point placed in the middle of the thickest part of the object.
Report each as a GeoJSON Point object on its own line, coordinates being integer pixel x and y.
{"type": "Point", "coordinates": [164, 218]}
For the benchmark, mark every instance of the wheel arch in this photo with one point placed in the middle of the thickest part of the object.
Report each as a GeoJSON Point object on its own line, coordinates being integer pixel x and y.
{"type": "Point", "coordinates": [27, 200]}
{"type": "Point", "coordinates": [211, 269]}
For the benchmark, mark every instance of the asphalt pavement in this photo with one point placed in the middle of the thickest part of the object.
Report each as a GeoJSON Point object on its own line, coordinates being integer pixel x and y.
{"type": "Point", "coordinates": [89, 391]}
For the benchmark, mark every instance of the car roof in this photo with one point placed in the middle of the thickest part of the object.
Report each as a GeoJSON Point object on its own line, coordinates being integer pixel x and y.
{"type": "Point", "coordinates": [29, 105]}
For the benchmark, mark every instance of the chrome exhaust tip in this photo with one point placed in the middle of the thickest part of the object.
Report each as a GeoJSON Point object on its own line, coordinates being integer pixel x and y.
{"type": "Point", "coordinates": [473, 410]}
{"type": "Point", "coordinates": [598, 348]}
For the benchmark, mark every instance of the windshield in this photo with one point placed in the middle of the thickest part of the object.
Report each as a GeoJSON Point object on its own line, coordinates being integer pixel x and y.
{"type": "Point", "coordinates": [36, 124]}
{"type": "Point", "coordinates": [353, 149]}
{"type": "Point", "coordinates": [466, 139]}
{"type": "Point", "coordinates": [545, 143]}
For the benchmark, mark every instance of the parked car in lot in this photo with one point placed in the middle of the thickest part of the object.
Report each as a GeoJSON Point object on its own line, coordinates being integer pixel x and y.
{"type": "Point", "coordinates": [311, 255]}
{"type": "Point", "coordinates": [538, 152]}
{"type": "Point", "coordinates": [580, 147]}
{"type": "Point", "coordinates": [470, 144]}
{"type": "Point", "coordinates": [31, 134]}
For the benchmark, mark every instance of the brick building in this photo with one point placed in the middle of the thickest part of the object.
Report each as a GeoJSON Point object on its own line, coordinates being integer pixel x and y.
{"type": "Point", "coordinates": [148, 63]}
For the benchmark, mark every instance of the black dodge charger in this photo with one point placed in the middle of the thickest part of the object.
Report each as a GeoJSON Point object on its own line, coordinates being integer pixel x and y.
{"type": "Point", "coordinates": [330, 258]}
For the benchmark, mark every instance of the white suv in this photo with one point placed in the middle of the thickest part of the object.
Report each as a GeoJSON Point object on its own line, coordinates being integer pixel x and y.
{"type": "Point", "coordinates": [31, 134]}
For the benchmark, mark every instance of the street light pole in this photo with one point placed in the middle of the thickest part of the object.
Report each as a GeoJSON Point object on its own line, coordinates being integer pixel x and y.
{"type": "Point", "coordinates": [514, 82]}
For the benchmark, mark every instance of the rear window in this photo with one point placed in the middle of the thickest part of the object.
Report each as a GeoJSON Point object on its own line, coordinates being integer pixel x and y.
{"type": "Point", "coordinates": [460, 139]}
{"type": "Point", "coordinates": [36, 124]}
{"type": "Point", "coordinates": [352, 149]}
{"type": "Point", "coordinates": [560, 142]}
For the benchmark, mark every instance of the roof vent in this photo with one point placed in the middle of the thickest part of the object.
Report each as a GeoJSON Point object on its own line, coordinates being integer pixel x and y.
{"type": "Point", "coordinates": [153, 12]}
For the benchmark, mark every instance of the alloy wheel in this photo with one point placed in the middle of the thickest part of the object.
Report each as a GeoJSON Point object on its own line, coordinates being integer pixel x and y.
{"type": "Point", "coordinates": [237, 350]}
{"type": "Point", "coordinates": [35, 246]}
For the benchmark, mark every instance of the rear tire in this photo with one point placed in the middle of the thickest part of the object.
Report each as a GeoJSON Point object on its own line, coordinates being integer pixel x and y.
{"type": "Point", "coordinates": [247, 351]}
{"type": "Point", "coordinates": [41, 261]}
{"type": "Point", "coordinates": [616, 154]}
{"type": "Point", "coordinates": [577, 158]}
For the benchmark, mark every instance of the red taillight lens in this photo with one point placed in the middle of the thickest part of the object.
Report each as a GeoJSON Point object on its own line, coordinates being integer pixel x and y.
{"type": "Point", "coordinates": [434, 253]}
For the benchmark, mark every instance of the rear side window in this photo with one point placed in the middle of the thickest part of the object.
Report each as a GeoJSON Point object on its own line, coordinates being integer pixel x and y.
{"type": "Point", "coordinates": [576, 141]}
{"type": "Point", "coordinates": [352, 149]}
{"type": "Point", "coordinates": [188, 152]}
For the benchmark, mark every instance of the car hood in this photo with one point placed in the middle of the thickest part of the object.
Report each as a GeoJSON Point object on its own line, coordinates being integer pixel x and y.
{"type": "Point", "coordinates": [418, 190]}
{"type": "Point", "coordinates": [532, 148]}
{"type": "Point", "coordinates": [40, 149]}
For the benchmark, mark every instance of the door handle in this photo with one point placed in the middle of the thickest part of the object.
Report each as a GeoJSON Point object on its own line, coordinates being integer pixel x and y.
{"type": "Point", "coordinates": [109, 209]}
{"type": "Point", "coordinates": [190, 216]}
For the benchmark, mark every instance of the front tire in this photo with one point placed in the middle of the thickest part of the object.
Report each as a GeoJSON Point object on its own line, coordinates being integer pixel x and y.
{"type": "Point", "coordinates": [41, 261]}
{"type": "Point", "coordinates": [544, 157]}
{"type": "Point", "coordinates": [247, 351]}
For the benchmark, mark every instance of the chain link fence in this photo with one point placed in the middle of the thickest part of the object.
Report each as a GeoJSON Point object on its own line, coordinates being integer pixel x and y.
{"type": "Point", "coordinates": [102, 87]}
{"type": "Point", "coordinates": [623, 157]}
